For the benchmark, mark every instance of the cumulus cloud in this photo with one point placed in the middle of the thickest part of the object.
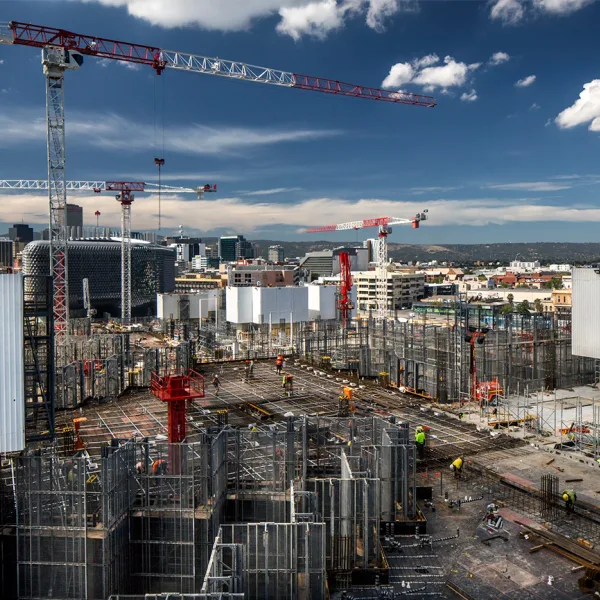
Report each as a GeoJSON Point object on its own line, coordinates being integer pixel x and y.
{"type": "Point", "coordinates": [200, 215]}
{"type": "Point", "coordinates": [498, 58]}
{"type": "Point", "coordinates": [526, 81]}
{"type": "Point", "coordinates": [586, 109]}
{"type": "Point", "coordinates": [561, 7]}
{"type": "Point", "coordinates": [509, 12]}
{"type": "Point", "coordinates": [111, 131]}
{"type": "Point", "coordinates": [427, 73]}
{"type": "Point", "coordinates": [534, 106]}
{"type": "Point", "coordinates": [469, 96]}
{"type": "Point", "coordinates": [298, 17]}
{"type": "Point", "coordinates": [512, 12]}
{"type": "Point", "coordinates": [316, 19]}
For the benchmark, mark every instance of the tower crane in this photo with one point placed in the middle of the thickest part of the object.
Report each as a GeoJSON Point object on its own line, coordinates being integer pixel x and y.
{"type": "Point", "coordinates": [125, 197]}
{"type": "Point", "coordinates": [64, 50]}
{"type": "Point", "coordinates": [385, 228]}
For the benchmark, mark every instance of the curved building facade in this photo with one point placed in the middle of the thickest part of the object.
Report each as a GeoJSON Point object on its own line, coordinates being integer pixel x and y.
{"type": "Point", "coordinates": [152, 268]}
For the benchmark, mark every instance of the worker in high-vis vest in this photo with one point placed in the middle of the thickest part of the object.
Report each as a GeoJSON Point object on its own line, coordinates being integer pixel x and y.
{"type": "Point", "coordinates": [457, 467]}
{"type": "Point", "coordinates": [569, 496]}
{"type": "Point", "coordinates": [420, 442]}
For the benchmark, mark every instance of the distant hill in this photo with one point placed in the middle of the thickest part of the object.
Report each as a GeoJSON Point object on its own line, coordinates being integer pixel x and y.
{"type": "Point", "coordinates": [545, 252]}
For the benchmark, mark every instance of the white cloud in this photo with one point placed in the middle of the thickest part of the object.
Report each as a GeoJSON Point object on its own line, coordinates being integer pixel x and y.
{"type": "Point", "coordinates": [316, 19]}
{"type": "Point", "coordinates": [531, 186]}
{"type": "Point", "coordinates": [561, 7]}
{"type": "Point", "coordinates": [585, 109]}
{"type": "Point", "coordinates": [271, 192]}
{"type": "Point", "coordinates": [469, 97]}
{"type": "Point", "coordinates": [526, 81]}
{"type": "Point", "coordinates": [509, 12]}
{"type": "Point", "coordinates": [534, 106]}
{"type": "Point", "coordinates": [432, 189]}
{"type": "Point", "coordinates": [422, 72]}
{"type": "Point", "coordinates": [113, 132]}
{"type": "Point", "coordinates": [498, 58]}
{"type": "Point", "coordinates": [512, 12]}
{"type": "Point", "coordinates": [298, 17]}
{"type": "Point", "coordinates": [2, 62]}
{"type": "Point", "coordinates": [201, 216]}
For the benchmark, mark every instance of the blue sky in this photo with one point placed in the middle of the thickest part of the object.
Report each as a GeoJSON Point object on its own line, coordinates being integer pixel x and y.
{"type": "Point", "coordinates": [491, 161]}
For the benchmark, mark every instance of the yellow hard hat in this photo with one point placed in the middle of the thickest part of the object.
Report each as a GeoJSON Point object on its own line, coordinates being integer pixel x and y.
{"type": "Point", "coordinates": [565, 496]}
{"type": "Point", "coordinates": [419, 428]}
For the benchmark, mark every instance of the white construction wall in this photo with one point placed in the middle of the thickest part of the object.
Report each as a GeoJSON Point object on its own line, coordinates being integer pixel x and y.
{"type": "Point", "coordinates": [168, 306]}
{"type": "Point", "coordinates": [12, 374]}
{"type": "Point", "coordinates": [585, 329]}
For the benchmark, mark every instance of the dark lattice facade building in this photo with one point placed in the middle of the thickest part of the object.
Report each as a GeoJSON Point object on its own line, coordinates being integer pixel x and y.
{"type": "Point", "coordinates": [153, 271]}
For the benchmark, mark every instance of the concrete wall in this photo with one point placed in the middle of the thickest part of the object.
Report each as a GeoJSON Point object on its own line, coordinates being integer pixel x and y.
{"type": "Point", "coordinates": [200, 304]}
{"type": "Point", "coordinates": [12, 375]}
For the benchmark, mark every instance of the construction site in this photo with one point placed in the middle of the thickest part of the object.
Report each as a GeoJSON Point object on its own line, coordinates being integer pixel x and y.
{"type": "Point", "coordinates": [347, 458]}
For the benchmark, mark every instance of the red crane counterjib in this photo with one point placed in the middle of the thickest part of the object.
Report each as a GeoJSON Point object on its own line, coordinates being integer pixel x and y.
{"type": "Point", "coordinates": [40, 36]}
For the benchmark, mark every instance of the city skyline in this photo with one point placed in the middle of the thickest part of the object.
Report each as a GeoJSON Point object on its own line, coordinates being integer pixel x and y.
{"type": "Point", "coordinates": [507, 155]}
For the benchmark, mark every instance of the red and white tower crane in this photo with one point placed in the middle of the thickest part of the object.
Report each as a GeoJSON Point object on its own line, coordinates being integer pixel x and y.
{"type": "Point", "coordinates": [385, 228]}
{"type": "Point", "coordinates": [125, 197]}
{"type": "Point", "coordinates": [64, 50]}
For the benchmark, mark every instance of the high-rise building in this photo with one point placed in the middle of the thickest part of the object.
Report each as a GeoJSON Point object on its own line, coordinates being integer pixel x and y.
{"type": "Point", "coordinates": [6, 252]}
{"type": "Point", "coordinates": [276, 254]}
{"type": "Point", "coordinates": [244, 249]}
{"type": "Point", "coordinates": [227, 250]}
{"type": "Point", "coordinates": [235, 247]}
{"type": "Point", "coordinates": [22, 232]}
{"type": "Point", "coordinates": [74, 215]}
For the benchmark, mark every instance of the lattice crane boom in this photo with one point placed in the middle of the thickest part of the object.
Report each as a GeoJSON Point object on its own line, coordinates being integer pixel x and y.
{"type": "Point", "coordinates": [40, 36]}
{"type": "Point", "coordinates": [104, 186]}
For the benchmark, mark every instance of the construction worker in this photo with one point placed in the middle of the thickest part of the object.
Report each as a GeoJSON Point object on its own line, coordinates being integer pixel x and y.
{"type": "Point", "coordinates": [247, 371]}
{"type": "Point", "coordinates": [346, 403]}
{"type": "Point", "coordinates": [569, 496]}
{"type": "Point", "coordinates": [159, 467]}
{"type": "Point", "coordinates": [217, 383]}
{"type": "Point", "coordinates": [420, 442]}
{"type": "Point", "coordinates": [140, 468]}
{"type": "Point", "coordinates": [457, 467]}
{"type": "Point", "coordinates": [288, 384]}
{"type": "Point", "coordinates": [279, 364]}
{"type": "Point", "coordinates": [251, 368]}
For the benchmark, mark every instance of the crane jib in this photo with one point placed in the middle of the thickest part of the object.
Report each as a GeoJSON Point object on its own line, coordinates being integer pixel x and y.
{"type": "Point", "coordinates": [40, 36]}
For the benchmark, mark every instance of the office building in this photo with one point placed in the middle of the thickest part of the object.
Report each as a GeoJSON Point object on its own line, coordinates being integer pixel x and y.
{"type": "Point", "coordinates": [21, 232]}
{"type": "Point", "coordinates": [276, 254]}
{"type": "Point", "coordinates": [403, 290]}
{"type": "Point", "coordinates": [6, 252]}
{"type": "Point", "coordinates": [234, 247]}
{"type": "Point", "coordinates": [74, 215]}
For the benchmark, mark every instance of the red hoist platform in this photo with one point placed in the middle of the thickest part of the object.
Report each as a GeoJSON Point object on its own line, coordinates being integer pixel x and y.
{"type": "Point", "coordinates": [176, 390]}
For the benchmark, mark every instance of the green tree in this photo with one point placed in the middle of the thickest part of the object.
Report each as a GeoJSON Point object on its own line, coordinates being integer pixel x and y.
{"type": "Point", "coordinates": [523, 307]}
{"type": "Point", "coordinates": [510, 299]}
{"type": "Point", "coordinates": [555, 283]}
{"type": "Point", "coordinates": [506, 309]}
{"type": "Point", "coordinates": [538, 305]}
